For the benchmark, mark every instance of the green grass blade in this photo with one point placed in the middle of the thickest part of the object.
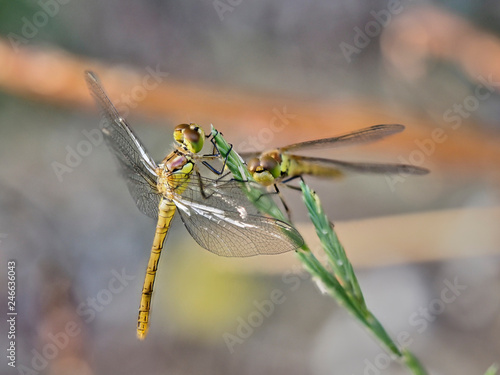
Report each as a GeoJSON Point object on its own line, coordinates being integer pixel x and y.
{"type": "Point", "coordinates": [413, 363]}
{"type": "Point", "coordinates": [492, 370]}
{"type": "Point", "coordinates": [334, 250]}
{"type": "Point", "coordinates": [342, 268]}
{"type": "Point", "coordinates": [342, 283]}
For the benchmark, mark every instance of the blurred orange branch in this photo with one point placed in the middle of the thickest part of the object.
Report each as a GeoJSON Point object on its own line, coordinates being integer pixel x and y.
{"type": "Point", "coordinates": [56, 77]}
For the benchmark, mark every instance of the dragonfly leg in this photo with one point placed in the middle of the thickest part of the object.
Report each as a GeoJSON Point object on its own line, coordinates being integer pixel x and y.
{"type": "Point", "coordinates": [283, 202]}
{"type": "Point", "coordinates": [202, 188]}
{"type": "Point", "coordinates": [282, 199]}
{"type": "Point", "coordinates": [212, 168]}
{"type": "Point", "coordinates": [215, 150]}
{"type": "Point", "coordinates": [286, 182]}
{"type": "Point", "coordinates": [222, 177]}
{"type": "Point", "coordinates": [218, 182]}
{"type": "Point", "coordinates": [216, 154]}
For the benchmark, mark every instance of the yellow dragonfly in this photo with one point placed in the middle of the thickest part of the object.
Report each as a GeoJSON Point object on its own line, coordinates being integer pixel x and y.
{"type": "Point", "coordinates": [281, 165]}
{"type": "Point", "coordinates": [216, 212]}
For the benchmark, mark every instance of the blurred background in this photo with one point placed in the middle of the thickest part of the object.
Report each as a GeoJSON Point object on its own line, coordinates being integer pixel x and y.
{"type": "Point", "coordinates": [266, 74]}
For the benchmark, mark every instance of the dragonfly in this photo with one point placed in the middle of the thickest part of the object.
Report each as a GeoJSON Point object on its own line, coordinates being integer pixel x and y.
{"type": "Point", "coordinates": [281, 165]}
{"type": "Point", "coordinates": [216, 212]}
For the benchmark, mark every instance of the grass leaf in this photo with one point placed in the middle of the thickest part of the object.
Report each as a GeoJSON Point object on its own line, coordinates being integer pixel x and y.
{"type": "Point", "coordinates": [341, 281]}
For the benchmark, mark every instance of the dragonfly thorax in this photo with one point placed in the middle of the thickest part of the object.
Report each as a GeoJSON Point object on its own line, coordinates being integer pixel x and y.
{"type": "Point", "coordinates": [190, 137]}
{"type": "Point", "coordinates": [173, 172]}
{"type": "Point", "coordinates": [175, 162]}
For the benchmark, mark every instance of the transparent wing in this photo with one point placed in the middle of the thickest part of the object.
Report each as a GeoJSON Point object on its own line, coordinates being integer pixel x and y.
{"type": "Point", "coordinates": [223, 220]}
{"type": "Point", "coordinates": [135, 164]}
{"type": "Point", "coordinates": [246, 156]}
{"type": "Point", "coordinates": [146, 197]}
{"type": "Point", "coordinates": [366, 135]}
{"type": "Point", "coordinates": [359, 167]}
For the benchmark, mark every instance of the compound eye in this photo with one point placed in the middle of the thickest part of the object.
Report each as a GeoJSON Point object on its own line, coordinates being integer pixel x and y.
{"type": "Point", "coordinates": [191, 135]}
{"type": "Point", "coordinates": [253, 164]}
{"type": "Point", "coordinates": [181, 127]}
{"type": "Point", "coordinates": [270, 164]}
{"type": "Point", "coordinates": [194, 138]}
{"type": "Point", "coordinates": [179, 132]}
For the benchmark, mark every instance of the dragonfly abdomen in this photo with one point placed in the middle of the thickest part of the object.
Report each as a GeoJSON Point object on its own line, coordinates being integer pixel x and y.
{"type": "Point", "coordinates": [294, 165]}
{"type": "Point", "coordinates": [166, 211]}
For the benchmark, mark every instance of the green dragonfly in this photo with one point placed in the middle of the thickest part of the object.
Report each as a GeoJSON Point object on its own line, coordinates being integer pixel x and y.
{"type": "Point", "coordinates": [280, 165]}
{"type": "Point", "coordinates": [216, 212]}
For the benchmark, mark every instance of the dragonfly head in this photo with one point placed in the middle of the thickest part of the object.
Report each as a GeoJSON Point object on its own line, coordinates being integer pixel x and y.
{"type": "Point", "coordinates": [190, 136]}
{"type": "Point", "coordinates": [264, 170]}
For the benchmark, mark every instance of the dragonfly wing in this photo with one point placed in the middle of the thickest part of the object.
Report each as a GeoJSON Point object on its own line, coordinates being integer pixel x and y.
{"type": "Point", "coordinates": [249, 155]}
{"type": "Point", "coordinates": [135, 163]}
{"type": "Point", "coordinates": [359, 167]}
{"type": "Point", "coordinates": [366, 135]}
{"type": "Point", "coordinates": [146, 197]}
{"type": "Point", "coordinates": [226, 223]}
